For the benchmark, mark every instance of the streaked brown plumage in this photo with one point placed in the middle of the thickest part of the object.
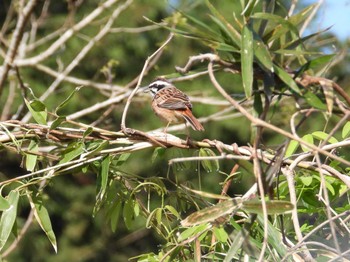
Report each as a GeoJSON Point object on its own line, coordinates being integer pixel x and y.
{"type": "Point", "coordinates": [171, 105]}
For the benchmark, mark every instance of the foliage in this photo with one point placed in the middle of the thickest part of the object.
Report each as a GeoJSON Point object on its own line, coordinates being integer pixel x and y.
{"type": "Point", "coordinates": [268, 182]}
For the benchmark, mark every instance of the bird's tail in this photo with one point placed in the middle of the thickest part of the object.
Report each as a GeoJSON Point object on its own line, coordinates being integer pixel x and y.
{"type": "Point", "coordinates": [194, 123]}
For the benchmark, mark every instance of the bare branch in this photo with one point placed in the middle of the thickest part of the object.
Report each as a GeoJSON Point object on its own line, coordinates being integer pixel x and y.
{"type": "Point", "coordinates": [66, 36]}
{"type": "Point", "coordinates": [16, 39]}
{"type": "Point", "coordinates": [149, 59]}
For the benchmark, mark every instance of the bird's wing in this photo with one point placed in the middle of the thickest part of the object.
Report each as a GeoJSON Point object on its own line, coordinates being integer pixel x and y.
{"type": "Point", "coordinates": [174, 99]}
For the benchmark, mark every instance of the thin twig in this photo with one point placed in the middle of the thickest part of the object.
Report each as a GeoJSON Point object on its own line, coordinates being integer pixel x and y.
{"type": "Point", "coordinates": [128, 102]}
{"type": "Point", "coordinates": [67, 35]}
{"type": "Point", "coordinates": [15, 41]}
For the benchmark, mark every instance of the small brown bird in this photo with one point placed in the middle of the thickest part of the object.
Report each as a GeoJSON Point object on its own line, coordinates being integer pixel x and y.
{"type": "Point", "coordinates": [171, 105]}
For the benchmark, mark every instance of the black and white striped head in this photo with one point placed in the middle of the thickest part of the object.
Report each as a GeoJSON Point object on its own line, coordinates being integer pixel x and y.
{"type": "Point", "coordinates": [157, 85]}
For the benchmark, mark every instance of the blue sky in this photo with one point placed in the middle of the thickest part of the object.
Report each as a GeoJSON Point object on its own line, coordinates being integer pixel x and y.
{"type": "Point", "coordinates": [336, 13]}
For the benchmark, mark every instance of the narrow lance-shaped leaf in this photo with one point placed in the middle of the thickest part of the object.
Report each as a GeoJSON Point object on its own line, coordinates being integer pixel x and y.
{"type": "Point", "coordinates": [38, 111]}
{"type": "Point", "coordinates": [314, 100]}
{"type": "Point", "coordinates": [208, 165]}
{"type": "Point", "coordinates": [220, 234]}
{"type": "Point", "coordinates": [32, 158]}
{"type": "Point", "coordinates": [74, 150]}
{"type": "Point", "coordinates": [220, 20]}
{"type": "Point", "coordinates": [262, 54]}
{"type": "Point", "coordinates": [128, 212]}
{"type": "Point", "coordinates": [284, 25]}
{"type": "Point", "coordinates": [247, 56]}
{"type": "Point", "coordinates": [236, 243]}
{"type": "Point", "coordinates": [273, 206]}
{"type": "Point", "coordinates": [65, 102]}
{"type": "Point", "coordinates": [210, 214]}
{"type": "Point", "coordinates": [287, 79]}
{"type": "Point", "coordinates": [103, 176]}
{"type": "Point", "coordinates": [115, 215]}
{"type": "Point", "coordinates": [8, 218]}
{"type": "Point", "coordinates": [316, 63]}
{"type": "Point", "coordinates": [194, 230]}
{"type": "Point", "coordinates": [43, 218]}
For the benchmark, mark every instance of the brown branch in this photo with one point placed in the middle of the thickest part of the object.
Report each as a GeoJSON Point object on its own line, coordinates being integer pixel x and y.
{"type": "Point", "coordinates": [307, 80]}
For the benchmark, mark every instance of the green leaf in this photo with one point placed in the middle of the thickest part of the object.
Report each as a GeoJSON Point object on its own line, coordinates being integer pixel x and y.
{"type": "Point", "coordinates": [31, 159]}
{"type": "Point", "coordinates": [95, 147]}
{"type": "Point", "coordinates": [257, 105]}
{"type": "Point", "coordinates": [74, 150]}
{"type": "Point", "coordinates": [65, 102]}
{"type": "Point", "coordinates": [173, 211]}
{"type": "Point", "coordinates": [292, 45]}
{"type": "Point", "coordinates": [210, 214]}
{"type": "Point", "coordinates": [274, 237]}
{"type": "Point", "coordinates": [273, 206]}
{"type": "Point", "coordinates": [287, 79]}
{"type": "Point", "coordinates": [43, 218]}
{"type": "Point", "coordinates": [37, 105]}
{"type": "Point", "coordinates": [38, 111]}
{"type": "Point", "coordinates": [302, 15]}
{"type": "Point", "coordinates": [115, 215]}
{"type": "Point", "coordinates": [346, 130]}
{"type": "Point", "coordinates": [316, 63]}
{"type": "Point", "coordinates": [237, 241]}
{"type": "Point", "coordinates": [247, 57]}
{"type": "Point", "coordinates": [328, 182]}
{"type": "Point", "coordinates": [158, 215]}
{"type": "Point", "coordinates": [220, 234]}
{"type": "Point", "coordinates": [128, 213]}
{"type": "Point", "coordinates": [136, 209]}
{"type": "Point", "coordinates": [207, 194]}
{"type": "Point", "coordinates": [262, 54]}
{"type": "Point", "coordinates": [4, 204]}
{"type": "Point", "coordinates": [123, 158]}
{"type": "Point", "coordinates": [284, 24]}
{"type": "Point", "coordinates": [57, 122]}
{"type": "Point", "coordinates": [207, 164]}
{"type": "Point", "coordinates": [295, 52]}
{"type": "Point", "coordinates": [88, 131]}
{"type": "Point", "coordinates": [248, 7]}
{"type": "Point", "coordinates": [314, 101]}
{"type": "Point", "coordinates": [306, 180]}
{"type": "Point", "coordinates": [8, 218]}
{"type": "Point", "coordinates": [189, 232]}
{"type": "Point", "coordinates": [320, 135]}
{"type": "Point", "coordinates": [309, 139]}
{"type": "Point", "coordinates": [220, 20]}
{"type": "Point", "coordinates": [202, 31]}
{"type": "Point", "coordinates": [292, 147]}
{"type": "Point", "coordinates": [158, 152]}
{"type": "Point", "coordinates": [103, 176]}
